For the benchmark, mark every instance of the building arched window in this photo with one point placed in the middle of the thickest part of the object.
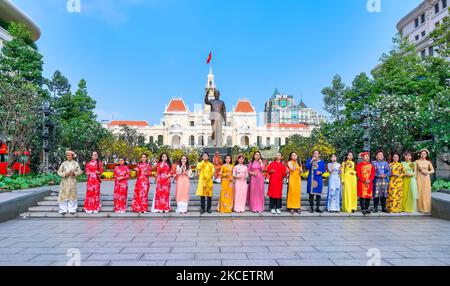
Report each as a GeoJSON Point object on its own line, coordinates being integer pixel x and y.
{"type": "Point", "coordinates": [176, 141]}
{"type": "Point", "coordinates": [259, 141]}
{"type": "Point", "coordinates": [278, 141]}
{"type": "Point", "coordinates": [151, 140]}
{"type": "Point", "coordinates": [229, 141]}
{"type": "Point", "coordinates": [160, 140]}
{"type": "Point", "coordinates": [245, 141]}
{"type": "Point", "coordinates": [191, 140]}
{"type": "Point", "coordinates": [201, 141]}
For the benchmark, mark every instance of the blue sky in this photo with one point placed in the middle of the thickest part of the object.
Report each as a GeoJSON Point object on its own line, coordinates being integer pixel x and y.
{"type": "Point", "coordinates": [137, 54]}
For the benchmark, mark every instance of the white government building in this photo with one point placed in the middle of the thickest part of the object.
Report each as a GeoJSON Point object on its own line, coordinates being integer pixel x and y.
{"type": "Point", "coordinates": [181, 127]}
{"type": "Point", "coordinates": [420, 22]}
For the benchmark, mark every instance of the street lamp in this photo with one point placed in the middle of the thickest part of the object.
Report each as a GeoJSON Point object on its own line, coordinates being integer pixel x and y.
{"type": "Point", "coordinates": [367, 115]}
{"type": "Point", "coordinates": [47, 124]}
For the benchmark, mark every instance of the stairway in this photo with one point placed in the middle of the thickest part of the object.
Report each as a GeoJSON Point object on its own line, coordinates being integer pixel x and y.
{"type": "Point", "coordinates": [48, 208]}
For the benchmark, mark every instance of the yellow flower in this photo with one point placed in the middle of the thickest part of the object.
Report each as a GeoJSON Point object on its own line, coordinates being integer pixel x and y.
{"type": "Point", "coordinates": [107, 175]}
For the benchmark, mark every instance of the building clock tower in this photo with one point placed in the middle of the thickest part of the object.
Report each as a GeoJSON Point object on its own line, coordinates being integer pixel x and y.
{"type": "Point", "coordinates": [211, 86]}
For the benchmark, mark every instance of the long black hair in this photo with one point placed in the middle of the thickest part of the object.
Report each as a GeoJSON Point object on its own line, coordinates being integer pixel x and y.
{"type": "Point", "coordinates": [290, 156]}
{"type": "Point", "coordinates": [225, 159]}
{"type": "Point", "coordinates": [168, 159]}
{"type": "Point", "coordinates": [187, 161]}
{"type": "Point", "coordinates": [260, 156]}
{"type": "Point", "coordinates": [396, 154]}
{"type": "Point", "coordinates": [98, 160]}
{"type": "Point", "coordinates": [348, 153]}
{"type": "Point", "coordinates": [124, 161]}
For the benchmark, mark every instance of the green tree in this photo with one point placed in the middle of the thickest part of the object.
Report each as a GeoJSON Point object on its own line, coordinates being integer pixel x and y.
{"type": "Point", "coordinates": [333, 97]}
{"type": "Point", "coordinates": [129, 135]}
{"type": "Point", "coordinates": [193, 155]}
{"type": "Point", "coordinates": [405, 84]}
{"type": "Point", "coordinates": [58, 85]}
{"type": "Point", "coordinates": [359, 94]}
{"type": "Point", "coordinates": [412, 96]}
{"type": "Point", "coordinates": [304, 146]}
{"type": "Point", "coordinates": [21, 93]}
{"type": "Point", "coordinates": [77, 124]}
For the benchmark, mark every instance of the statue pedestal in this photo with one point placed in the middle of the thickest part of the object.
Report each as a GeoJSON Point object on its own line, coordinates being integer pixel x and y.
{"type": "Point", "coordinates": [212, 151]}
{"type": "Point", "coordinates": [216, 156]}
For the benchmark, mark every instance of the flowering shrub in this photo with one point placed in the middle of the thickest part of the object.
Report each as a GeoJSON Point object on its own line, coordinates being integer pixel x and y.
{"type": "Point", "coordinates": [107, 175]}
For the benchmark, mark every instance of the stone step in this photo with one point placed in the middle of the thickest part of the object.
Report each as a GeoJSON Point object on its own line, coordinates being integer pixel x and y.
{"type": "Point", "coordinates": [150, 198]}
{"type": "Point", "coordinates": [196, 214]}
{"type": "Point", "coordinates": [172, 203]}
{"type": "Point", "coordinates": [111, 208]}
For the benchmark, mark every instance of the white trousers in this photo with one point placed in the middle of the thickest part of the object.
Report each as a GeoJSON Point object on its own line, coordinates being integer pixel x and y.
{"type": "Point", "coordinates": [68, 206]}
{"type": "Point", "coordinates": [182, 207]}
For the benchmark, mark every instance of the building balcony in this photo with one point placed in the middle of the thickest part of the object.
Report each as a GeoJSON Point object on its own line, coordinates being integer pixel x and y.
{"type": "Point", "coordinates": [4, 36]}
{"type": "Point", "coordinates": [10, 13]}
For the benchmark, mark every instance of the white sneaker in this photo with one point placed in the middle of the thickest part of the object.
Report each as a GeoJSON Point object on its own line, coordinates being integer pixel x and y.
{"type": "Point", "coordinates": [278, 211]}
{"type": "Point", "coordinates": [273, 211]}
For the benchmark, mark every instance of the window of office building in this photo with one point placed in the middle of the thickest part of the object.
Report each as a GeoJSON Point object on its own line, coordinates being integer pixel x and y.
{"type": "Point", "coordinates": [423, 33]}
{"type": "Point", "coordinates": [151, 139]}
{"type": "Point", "coordinates": [192, 140]}
{"type": "Point", "coordinates": [444, 4]}
{"type": "Point", "coordinates": [259, 140]}
{"type": "Point", "coordinates": [423, 53]}
{"type": "Point", "coordinates": [431, 51]}
{"type": "Point", "coordinates": [416, 22]}
{"type": "Point", "coordinates": [422, 18]}
{"type": "Point", "coordinates": [160, 139]}
{"type": "Point", "coordinates": [436, 8]}
{"type": "Point", "coordinates": [417, 37]}
{"type": "Point", "coordinates": [192, 123]}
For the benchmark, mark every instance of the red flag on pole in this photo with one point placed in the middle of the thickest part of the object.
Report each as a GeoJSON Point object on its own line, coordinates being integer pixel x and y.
{"type": "Point", "coordinates": [209, 58]}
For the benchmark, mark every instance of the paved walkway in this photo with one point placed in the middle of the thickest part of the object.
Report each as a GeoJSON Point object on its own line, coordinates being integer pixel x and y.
{"type": "Point", "coordinates": [259, 241]}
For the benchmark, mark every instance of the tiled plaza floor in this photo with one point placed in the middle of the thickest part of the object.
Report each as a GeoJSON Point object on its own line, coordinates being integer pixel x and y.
{"type": "Point", "coordinates": [241, 241]}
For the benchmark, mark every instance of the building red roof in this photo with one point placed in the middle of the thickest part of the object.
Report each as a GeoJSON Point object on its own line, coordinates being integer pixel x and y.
{"type": "Point", "coordinates": [129, 123]}
{"type": "Point", "coordinates": [286, 125]}
{"type": "Point", "coordinates": [176, 105]}
{"type": "Point", "coordinates": [244, 106]}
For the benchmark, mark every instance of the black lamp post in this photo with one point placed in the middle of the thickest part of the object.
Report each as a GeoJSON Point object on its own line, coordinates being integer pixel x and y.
{"type": "Point", "coordinates": [367, 115]}
{"type": "Point", "coordinates": [46, 111]}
